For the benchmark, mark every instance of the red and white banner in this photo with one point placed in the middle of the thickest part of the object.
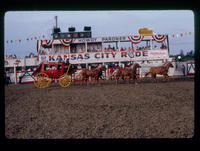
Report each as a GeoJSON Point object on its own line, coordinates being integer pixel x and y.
{"type": "Point", "coordinates": [65, 42]}
{"type": "Point", "coordinates": [25, 79]}
{"type": "Point", "coordinates": [190, 68]}
{"type": "Point", "coordinates": [135, 39]}
{"type": "Point", "coordinates": [98, 57]}
{"type": "Point", "coordinates": [159, 38]}
{"type": "Point", "coordinates": [47, 43]}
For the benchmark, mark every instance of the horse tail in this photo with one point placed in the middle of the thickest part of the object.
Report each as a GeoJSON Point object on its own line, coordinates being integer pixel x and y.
{"type": "Point", "coordinates": [147, 74]}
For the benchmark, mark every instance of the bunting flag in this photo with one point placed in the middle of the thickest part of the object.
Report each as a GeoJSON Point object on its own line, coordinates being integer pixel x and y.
{"type": "Point", "coordinates": [46, 43]}
{"type": "Point", "coordinates": [135, 39]}
{"type": "Point", "coordinates": [26, 39]}
{"type": "Point", "coordinates": [159, 38]}
{"type": "Point", "coordinates": [65, 42]}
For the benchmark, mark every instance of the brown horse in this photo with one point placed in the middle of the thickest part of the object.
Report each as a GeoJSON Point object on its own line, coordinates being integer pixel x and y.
{"type": "Point", "coordinates": [131, 73]}
{"type": "Point", "coordinates": [96, 73]}
{"type": "Point", "coordinates": [162, 70]}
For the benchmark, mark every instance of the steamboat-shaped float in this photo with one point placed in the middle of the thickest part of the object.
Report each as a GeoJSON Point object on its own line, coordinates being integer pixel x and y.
{"type": "Point", "coordinates": [82, 49]}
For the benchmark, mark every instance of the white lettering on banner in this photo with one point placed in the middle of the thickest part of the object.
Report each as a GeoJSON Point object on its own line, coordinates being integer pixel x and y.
{"type": "Point", "coordinates": [105, 56]}
{"type": "Point", "coordinates": [100, 39]}
{"type": "Point", "coordinates": [87, 40]}
{"type": "Point", "coordinates": [113, 38]}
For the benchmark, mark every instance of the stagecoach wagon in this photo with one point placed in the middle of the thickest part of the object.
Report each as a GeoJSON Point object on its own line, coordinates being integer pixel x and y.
{"type": "Point", "coordinates": [49, 72]}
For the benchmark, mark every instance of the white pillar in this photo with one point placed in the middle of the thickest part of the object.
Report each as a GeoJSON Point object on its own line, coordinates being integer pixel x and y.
{"type": "Point", "coordinates": [24, 63]}
{"type": "Point", "coordinates": [69, 50]}
{"type": "Point", "coordinates": [85, 46]}
{"type": "Point", "coordinates": [118, 45]}
{"type": "Point", "coordinates": [151, 43]}
{"type": "Point", "coordinates": [15, 74]}
{"type": "Point", "coordinates": [107, 74]}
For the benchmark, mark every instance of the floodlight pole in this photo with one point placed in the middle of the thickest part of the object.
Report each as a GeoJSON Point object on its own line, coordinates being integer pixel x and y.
{"type": "Point", "coordinates": [56, 18]}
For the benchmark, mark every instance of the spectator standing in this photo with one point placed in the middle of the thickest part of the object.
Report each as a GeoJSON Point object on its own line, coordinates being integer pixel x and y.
{"type": "Point", "coordinates": [8, 81]}
{"type": "Point", "coordinates": [67, 62]}
{"type": "Point", "coordinates": [183, 70]}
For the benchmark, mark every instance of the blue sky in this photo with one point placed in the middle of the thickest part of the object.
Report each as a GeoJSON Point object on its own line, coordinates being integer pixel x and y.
{"type": "Point", "coordinates": [27, 24]}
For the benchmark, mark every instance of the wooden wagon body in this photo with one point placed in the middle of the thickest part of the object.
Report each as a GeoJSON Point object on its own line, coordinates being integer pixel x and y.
{"type": "Point", "coordinates": [49, 72]}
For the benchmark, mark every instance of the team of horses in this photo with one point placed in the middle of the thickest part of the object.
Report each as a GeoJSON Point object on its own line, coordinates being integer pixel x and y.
{"type": "Point", "coordinates": [96, 74]}
{"type": "Point", "coordinates": [123, 73]}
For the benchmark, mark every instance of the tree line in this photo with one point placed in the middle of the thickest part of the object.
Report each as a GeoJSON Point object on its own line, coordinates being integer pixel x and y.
{"type": "Point", "coordinates": [184, 56]}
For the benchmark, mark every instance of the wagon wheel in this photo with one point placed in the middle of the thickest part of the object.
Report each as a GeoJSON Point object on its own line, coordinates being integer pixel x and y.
{"type": "Point", "coordinates": [65, 81]}
{"type": "Point", "coordinates": [42, 80]}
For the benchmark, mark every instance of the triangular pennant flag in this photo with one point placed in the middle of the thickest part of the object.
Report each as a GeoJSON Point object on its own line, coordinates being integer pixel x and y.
{"type": "Point", "coordinates": [31, 38]}
{"type": "Point", "coordinates": [7, 41]}
{"type": "Point", "coordinates": [19, 40]}
{"type": "Point", "coordinates": [35, 37]}
{"type": "Point", "coordinates": [27, 39]}
{"type": "Point", "coordinates": [177, 35]}
{"type": "Point", "coordinates": [11, 41]}
{"type": "Point", "coordinates": [185, 33]}
{"type": "Point", "coordinates": [173, 35]}
{"type": "Point", "coordinates": [181, 35]}
{"type": "Point", "coordinates": [169, 35]}
{"type": "Point", "coordinates": [190, 33]}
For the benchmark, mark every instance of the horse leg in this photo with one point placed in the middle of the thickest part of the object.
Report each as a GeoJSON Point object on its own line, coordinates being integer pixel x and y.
{"type": "Point", "coordinates": [154, 77]}
{"type": "Point", "coordinates": [86, 80]}
{"type": "Point", "coordinates": [124, 79]}
{"type": "Point", "coordinates": [98, 83]}
{"type": "Point", "coordinates": [81, 82]}
{"type": "Point", "coordinates": [116, 80]}
{"type": "Point", "coordinates": [134, 80]}
{"type": "Point", "coordinates": [165, 78]}
{"type": "Point", "coordinates": [129, 80]}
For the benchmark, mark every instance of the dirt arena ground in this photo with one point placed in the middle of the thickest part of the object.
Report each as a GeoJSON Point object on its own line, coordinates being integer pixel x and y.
{"type": "Point", "coordinates": [146, 110]}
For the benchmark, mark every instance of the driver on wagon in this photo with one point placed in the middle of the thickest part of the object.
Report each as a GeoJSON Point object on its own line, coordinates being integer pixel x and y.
{"type": "Point", "coordinates": [67, 63]}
